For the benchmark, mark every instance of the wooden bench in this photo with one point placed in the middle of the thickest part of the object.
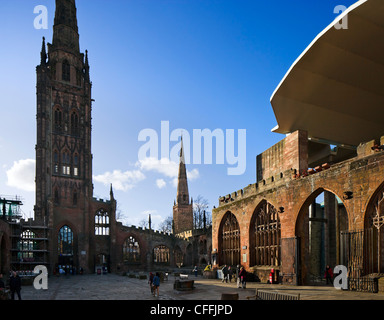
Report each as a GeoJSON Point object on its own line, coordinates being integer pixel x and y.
{"type": "Point", "coordinates": [273, 295]}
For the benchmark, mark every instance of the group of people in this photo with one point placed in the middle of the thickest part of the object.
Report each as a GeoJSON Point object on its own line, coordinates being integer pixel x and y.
{"type": "Point", "coordinates": [241, 275]}
{"type": "Point", "coordinates": [154, 283]}
{"type": "Point", "coordinates": [14, 287]}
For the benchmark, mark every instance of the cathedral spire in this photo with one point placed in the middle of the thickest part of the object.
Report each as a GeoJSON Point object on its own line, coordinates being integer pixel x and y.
{"type": "Point", "coordinates": [65, 29]}
{"type": "Point", "coordinates": [183, 209]}
{"type": "Point", "coordinates": [182, 182]}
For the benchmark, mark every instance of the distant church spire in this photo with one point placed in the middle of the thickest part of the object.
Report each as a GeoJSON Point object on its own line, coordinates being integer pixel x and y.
{"type": "Point", "coordinates": [182, 210]}
{"type": "Point", "coordinates": [182, 182]}
{"type": "Point", "coordinates": [112, 197]}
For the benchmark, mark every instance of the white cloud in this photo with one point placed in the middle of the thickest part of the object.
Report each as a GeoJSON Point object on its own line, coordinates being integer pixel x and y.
{"type": "Point", "coordinates": [136, 220]}
{"type": "Point", "coordinates": [122, 181]}
{"type": "Point", "coordinates": [169, 169]}
{"type": "Point", "coordinates": [164, 166]}
{"type": "Point", "coordinates": [161, 183]}
{"type": "Point", "coordinates": [22, 175]}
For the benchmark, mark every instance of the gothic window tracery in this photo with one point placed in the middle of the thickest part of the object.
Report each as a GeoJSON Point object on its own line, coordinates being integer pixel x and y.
{"type": "Point", "coordinates": [66, 161]}
{"type": "Point", "coordinates": [65, 241]}
{"type": "Point", "coordinates": [74, 123]}
{"type": "Point", "coordinates": [66, 71]}
{"type": "Point", "coordinates": [76, 165]}
{"type": "Point", "coordinates": [55, 162]}
{"type": "Point", "coordinates": [131, 250]}
{"type": "Point", "coordinates": [161, 254]}
{"type": "Point", "coordinates": [230, 240]}
{"type": "Point", "coordinates": [265, 233]}
{"type": "Point", "coordinates": [58, 119]}
{"type": "Point", "coordinates": [26, 245]}
{"type": "Point", "coordinates": [102, 223]}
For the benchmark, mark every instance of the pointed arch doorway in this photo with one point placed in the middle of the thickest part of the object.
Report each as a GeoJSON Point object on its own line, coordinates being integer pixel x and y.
{"type": "Point", "coordinates": [319, 224]}
{"type": "Point", "coordinates": [229, 244]}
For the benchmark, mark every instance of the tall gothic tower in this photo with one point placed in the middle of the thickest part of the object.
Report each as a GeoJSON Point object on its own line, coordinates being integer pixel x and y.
{"type": "Point", "coordinates": [64, 188]}
{"type": "Point", "coordinates": [183, 207]}
{"type": "Point", "coordinates": [63, 150]}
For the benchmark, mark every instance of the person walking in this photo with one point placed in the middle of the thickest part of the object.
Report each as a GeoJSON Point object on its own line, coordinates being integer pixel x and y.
{"type": "Point", "coordinates": [238, 276]}
{"type": "Point", "coordinates": [230, 273]}
{"type": "Point", "coordinates": [195, 270]}
{"type": "Point", "coordinates": [328, 274]}
{"type": "Point", "coordinates": [150, 281]}
{"type": "Point", "coordinates": [156, 284]}
{"type": "Point", "coordinates": [3, 291]}
{"type": "Point", "coordinates": [15, 285]}
{"type": "Point", "coordinates": [243, 276]}
{"type": "Point", "coordinates": [2, 284]}
{"type": "Point", "coordinates": [224, 270]}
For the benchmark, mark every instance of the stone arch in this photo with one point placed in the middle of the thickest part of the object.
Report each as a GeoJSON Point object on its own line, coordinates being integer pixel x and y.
{"type": "Point", "coordinates": [67, 251]}
{"type": "Point", "coordinates": [264, 236]}
{"type": "Point", "coordinates": [132, 250]}
{"type": "Point", "coordinates": [161, 254]}
{"type": "Point", "coordinates": [372, 235]}
{"type": "Point", "coordinates": [74, 122]}
{"type": "Point", "coordinates": [58, 118]}
{"type": "Point", "coordinates": [318, 228]}
{"type": "Point", "coordinates": [229, 240]}
{"type": "Point", "coordinates": [189, 255]}
{"type": "Point", "coordinates": [102, 222]}
{"type": "Point", "coordinates": [178, 256]}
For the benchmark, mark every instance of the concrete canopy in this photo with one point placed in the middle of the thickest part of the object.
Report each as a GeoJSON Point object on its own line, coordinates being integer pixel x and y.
{"type": "Point", "coordinates": [335, 89]}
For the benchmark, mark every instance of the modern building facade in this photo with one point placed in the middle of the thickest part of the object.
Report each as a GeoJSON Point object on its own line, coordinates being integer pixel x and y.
{"type": "Point", "coordinates": [329, 107]}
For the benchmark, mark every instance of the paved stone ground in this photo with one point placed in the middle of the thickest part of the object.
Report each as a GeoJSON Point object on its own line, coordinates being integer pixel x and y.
{"type": "Point", "coordinates": [115, 287]}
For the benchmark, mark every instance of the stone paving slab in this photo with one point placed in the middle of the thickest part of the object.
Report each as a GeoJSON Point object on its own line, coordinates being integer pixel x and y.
{"type": "Point", "coordinates": [115, 287]}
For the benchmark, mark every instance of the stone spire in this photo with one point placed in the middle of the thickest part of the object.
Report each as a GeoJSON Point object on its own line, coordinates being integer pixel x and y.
{"type": "Point", "coordinates": [43, 54]}
{"type": "Point", "coordinates": [182, 182]}
{"type": "Point", "coordinates": [112, 197]}
{"type": "Point", "coordinates": [65, 29]}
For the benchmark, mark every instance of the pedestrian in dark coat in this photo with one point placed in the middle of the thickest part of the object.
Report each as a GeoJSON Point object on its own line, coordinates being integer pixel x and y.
{"type": "Point", "coordinates": [328, 275]}
{"type": "Point", "coordinates": [15, 285]}
{"type": "Point", "coordinates": [243, 276]}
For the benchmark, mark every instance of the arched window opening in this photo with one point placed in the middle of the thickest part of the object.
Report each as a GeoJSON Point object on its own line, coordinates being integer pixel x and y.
{"type": "Point", "coordinates": [58, 119]}
{"type": "Point", "coordinates": [230, 240]}
{"type": "Point", "coordinates": [56, 197]}
{"type": "Point", "coordinates": [55, 162]}
{"type": "Point", "coordinates": [161, 254]}
{"type": "Point", "coordinates": [76, 163]}
{"type": "Point", "coordinates": [265, 233]}
{"type": "Point", "coordinates": [26, 246]}
{"type": "Point", "coordinates": [74, 199]}
{"type": "Point", "coordinates": [65, 241]}
{"type": "Point", "coordinates": [74, 123]}
{"type": "Point", "coordinates": [66, 161]}
{"type": "Point", "coordinates": [179, 257]}
{"type": "Point", "coordinates": [65, 248]}
{"type": "Point", "coordinates": [131, 251]}
{"type": "Point", "coordinates": [102, 223]}
{"type": "Point", "coordinates": [66, 75]}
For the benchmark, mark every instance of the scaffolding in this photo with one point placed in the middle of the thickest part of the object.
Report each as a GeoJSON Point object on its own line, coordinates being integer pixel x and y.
{"type": "Point", "coordinates": [30, 243]}
{"type": "Point", "coordinates": [10, 208]}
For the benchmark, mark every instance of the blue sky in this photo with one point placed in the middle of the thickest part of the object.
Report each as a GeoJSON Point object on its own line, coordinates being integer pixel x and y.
{"type": "Point", "coordinates": [194, 63]}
